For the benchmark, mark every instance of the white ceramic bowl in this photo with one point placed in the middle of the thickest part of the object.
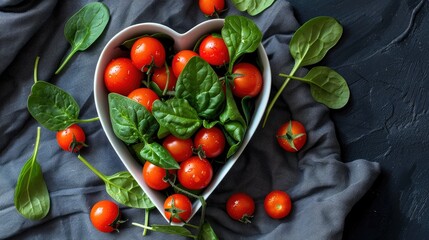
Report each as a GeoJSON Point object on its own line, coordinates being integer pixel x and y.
{"type": "Point", "coordinates": [181, 41]}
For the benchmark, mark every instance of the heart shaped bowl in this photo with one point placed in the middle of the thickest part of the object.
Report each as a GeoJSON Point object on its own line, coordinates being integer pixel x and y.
{"type": "Point", "coordinates": [181, 41]}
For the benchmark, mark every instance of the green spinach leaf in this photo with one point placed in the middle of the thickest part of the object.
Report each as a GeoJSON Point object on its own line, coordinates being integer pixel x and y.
{"type": "Point", "coordinates": [31, 196]}
{"type": "Point", "coordinates": [313, 39]}
{"type": "Point", "coordinates": [131, 122]}
{"type": "Point", "coordinates": [52, 107]}
{"type": "Point", "coordinates": [241, 35]}
{"type": "Point", "coordinates": [84, 27]}
{"type": "Point", "coordinates": [178, 116]}
{"type": "Point", "coordinates": [125, 190]}
{"type": "Point", "coordinates": [252, 7]}
{"type": "Point", "coordinates": [158, 155]}
{"type": "Point", "coordinates": [207, 232]}
{"type": "Point", "coordinates": [200, 86]}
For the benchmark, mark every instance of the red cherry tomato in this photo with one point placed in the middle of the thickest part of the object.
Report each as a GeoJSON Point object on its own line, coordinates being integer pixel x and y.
{"type": "Point", "coordinates": [211, 141]}
{"type": "Point", "coordinates": [180, 60]}
{"type": "Point", "coordinates": [147, 51]}
{"type": "Point", "coordinates": [71, 139]}
{"type": "Point", "coordinates": [154, 176]}
{"type": "Point", "coordinates": [214, 51]}
{"type": "Point", "coordinates": [240, 206]}
{"type": "Point", "coordinates": [121, 76]}
{"type": "Point", "coordinates": [105, 216]}
{"type": "Point", "coordinates": [211, 7]}
{"type": "Point", "coordinates": [144, 96]}
{"type": "Point", "coordinates": [177, 208]}
{"type": "Point", "coordinates": [195, 173]}
{"type": "Point", "coordinates": [249, 83]}
{"type": "Point", "coordinates": [291, 136]}
{"type": "Point", "coordinates": [161, 77]}
{"type": "Point", "coordinates": [277, 204]}
{"type": "Point", "coordinates": [180, 149]}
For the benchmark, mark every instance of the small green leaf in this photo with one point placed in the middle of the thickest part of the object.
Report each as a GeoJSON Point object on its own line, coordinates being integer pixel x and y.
{"type": "Point", "coordinates": [158, 155]}
{"type": "Point", "coordinates": [124, 189]}
{"type": "Point", "coordinates": [252, 7]}
{"type": "Point", "coordinates": [328, 87]}
{"type": "Point", "coordinates": [241, 35]}
{"type": "Point", "coordinates": [169, 229]}
{"type": "Point", "coordinates": [52, 107]}
{"type": "Point", "coordinates": [84, 27]}
{"type": "Point", "coordinates": [207, 232]}
{"type": "Point", "coordinates": [199, 84]}
{"type": "Point", "coordinates": [31, 196]}
{"type": "Point", "coordinates": [313, 39]}
{"type": "Point", "coordinates": [178, 116]}
{"type": "Point", "coordinates": [131, 121]}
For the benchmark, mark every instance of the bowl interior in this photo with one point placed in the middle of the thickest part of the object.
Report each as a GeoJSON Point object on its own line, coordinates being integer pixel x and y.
{"type": "Point", "coordinates": [181, 41]}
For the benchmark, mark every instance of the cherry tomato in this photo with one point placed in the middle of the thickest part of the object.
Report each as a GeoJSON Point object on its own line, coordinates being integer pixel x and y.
{"type": "Point", "coordinates": [160, 77]}
{"type": "Point", "coordinates": [291, 136]}
{"type": "Point", "coordinates": [180, 60]}
{"type": "Point", "coordinates": [144, 96]}
{"type": "Point", "coordinates": [211, 141]}
{"type": "Point", "coordinates": [105, 216]}
{"type": "Point", "coordinates": [249, 83]}
{"type": "Point", "coordinates": [177, 208]}
{"type": "Point", "coordinates": [277, 204]}
{"type": "Point", "coordinates": [121, 76]}
{"type": "Point", "coordinates": [195, 173]}
{"type": "Point", "coordinates": [147, 51]}
{"type": "Point", "coordinates": [154, 176]}
{"type": "Point", "coordinates": [180, 149]}
{"type": "Point", "coordinates": [214, 51]}
{"type": "Point", "coordinates": [240, 206]}
{"type": "Point", "coordinates": [71, 139]}
{"type": "Point", "coordinates": [211, 7]}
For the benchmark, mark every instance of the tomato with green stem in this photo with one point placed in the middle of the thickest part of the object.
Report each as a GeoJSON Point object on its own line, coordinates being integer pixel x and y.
{"type": "Point", "coordinates": [71, 139]}
{"type": "Point", "coordinates": [209, 142]}
{"type": "Point", "coordinates": [241, 207]}
{"type": "Point", "coordinates": [177, 208]}
{"type": "Point", "coordinates": [121, 76]}
{"type": "Point", "coordinates": [147, 52]}
{"type": "Point", "coordinates": [154, 176]}
{"type": "Point", "coordinates": [292, 136]}
{"type": "Point", "coordinates": [164, 78]}
{"type": "Point", "coordinates": [195, 173]}
{"type": "Point", "coordinates": [214, 50]}
{"type": "Point", "coordinates": [277, 204]}
{"type": "Point", "coordinates": [247, 80]}
{"type": "Point", "coordinates": [180, 149]}
{"type": "Point", "coordinates": [180, 59]}
{"type": "Point", "coordinates": [211, 7]}
{"type": "Point", "coordinates": [105, 216]}
{"type": "Point", "coordinates": [144, 96]}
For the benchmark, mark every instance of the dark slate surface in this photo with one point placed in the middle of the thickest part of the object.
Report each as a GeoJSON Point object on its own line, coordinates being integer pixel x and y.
{"type": "Point", "coordinates": [384, 57]}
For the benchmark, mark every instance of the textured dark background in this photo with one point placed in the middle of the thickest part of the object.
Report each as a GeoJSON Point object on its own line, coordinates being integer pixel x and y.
{"type": "Point", "coordinates": [384, 56]}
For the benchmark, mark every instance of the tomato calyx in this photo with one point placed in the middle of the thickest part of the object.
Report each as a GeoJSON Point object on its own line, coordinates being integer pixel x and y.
{"type": "Point", "coordinates": [246, 218]}
{"type": "Point", "coordinates": [199, 151]}
{"type": "Point", "coordinates": [75, 145]}
{"type": "Point", "coordinates": [290, 137]}
{"type": "Point", "coordinates": [117, 222]}
{"type": "Point", "coordinates": [174, 211]}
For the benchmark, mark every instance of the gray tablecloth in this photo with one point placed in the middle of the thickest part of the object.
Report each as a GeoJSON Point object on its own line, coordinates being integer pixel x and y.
{"type": "Point", "coordinates": [323, 188]}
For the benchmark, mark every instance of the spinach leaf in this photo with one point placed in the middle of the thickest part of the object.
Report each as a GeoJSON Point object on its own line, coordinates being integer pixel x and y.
{"type": "Point", "coordinates": [326, 86]}
{"type": "Point", "coordinates": [253, 7]}
{"type": "Point", "coordinates": [207, 232]}
{"type": "Point", "coordinates": [31, 196]}
{"type": "Point", "coordinates": [52, 107]}
{"type": "Point", "coordinates": [178, 116]}
{"type": "Point", "coordinates": [200, 86]}
{"type": "Point", "coordinates": [158, 155]}
{"type": "Point", "coordinates": [131, 122]}
{"type": "Point", "coordinates": [125, 190]}
{"type": "Point", "coordinates": [233, 122]}
{"type": "Point", "coordinates": [313, 39]}
{"type": "Point", "coordinates": [122, 187]}
{"type": "Point", "coordinates": [241, 35]}
{"type": "Point", "coordinates": [84, 27]}
{"type": "Point", "coordinates": [167, 229]}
